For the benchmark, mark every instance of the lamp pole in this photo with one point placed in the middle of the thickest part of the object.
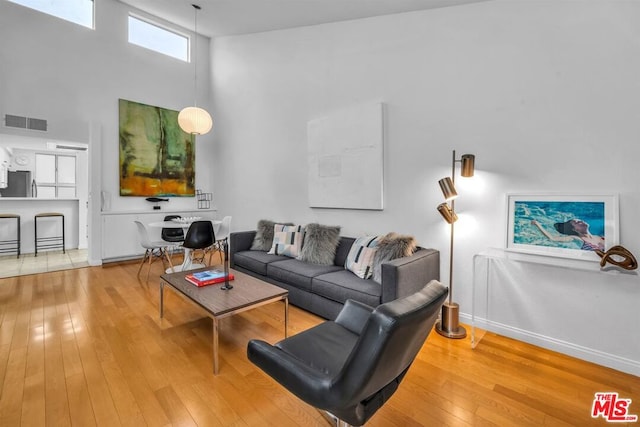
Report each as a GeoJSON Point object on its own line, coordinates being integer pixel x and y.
{"type": "Point", "coordinates": [453, 209]}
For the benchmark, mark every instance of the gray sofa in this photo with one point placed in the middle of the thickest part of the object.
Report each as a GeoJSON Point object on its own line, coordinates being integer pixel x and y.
{"type": "Point", "coordinates": [323, 289]}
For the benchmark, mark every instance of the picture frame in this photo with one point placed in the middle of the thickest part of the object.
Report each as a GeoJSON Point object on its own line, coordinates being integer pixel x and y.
{"type": "Point", "coordinates": [156, 157]}
{"type": "Point", "coordinates": [562, 225]}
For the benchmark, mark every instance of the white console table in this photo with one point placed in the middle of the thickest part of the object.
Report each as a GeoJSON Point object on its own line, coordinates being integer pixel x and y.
{"type": "Point", "coordinates": [120, 236]}
{"type": "Point", "coordinates": [567, 305]}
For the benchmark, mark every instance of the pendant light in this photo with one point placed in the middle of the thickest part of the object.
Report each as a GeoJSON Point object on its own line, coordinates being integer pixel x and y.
{"type": "Point", "coordinates": [195, 120]}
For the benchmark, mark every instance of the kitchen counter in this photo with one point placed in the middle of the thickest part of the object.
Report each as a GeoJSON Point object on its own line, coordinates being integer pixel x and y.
{"type": "Point", "coordinates": [32, 199]}
{"type": "Point", "coordinates": [28, 207]}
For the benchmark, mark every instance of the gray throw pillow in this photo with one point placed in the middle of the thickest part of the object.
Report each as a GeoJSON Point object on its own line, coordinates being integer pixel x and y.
{"type": "Point", "coordinates": [320, 244]}
{"type": "Point", "coordinates": [391, 246]}
{"type": "Point", "coordinates": [264, 235]}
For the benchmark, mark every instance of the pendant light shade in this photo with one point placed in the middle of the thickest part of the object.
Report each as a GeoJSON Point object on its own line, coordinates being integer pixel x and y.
{"type": "Point", "coordinates": [195, 120]}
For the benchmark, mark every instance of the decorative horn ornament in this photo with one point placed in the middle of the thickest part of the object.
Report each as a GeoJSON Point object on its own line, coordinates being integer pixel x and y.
{"type": "Point", "coordinates": [620, 256]}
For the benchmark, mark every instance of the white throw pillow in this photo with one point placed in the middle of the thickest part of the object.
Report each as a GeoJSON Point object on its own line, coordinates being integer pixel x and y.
{"type": "Point", "coordinates": [360, 257]}
{"type": "Point", "coordinates": [287, 240]}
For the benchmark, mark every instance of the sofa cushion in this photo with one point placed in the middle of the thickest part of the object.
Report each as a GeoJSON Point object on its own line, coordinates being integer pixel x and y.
{"type": "Point", "coordinates": [256, 261]}
{"type": "Point", "coordinates": [342, 285]}
{"type": "Point", "coordinates": [287, 240]}
{"type": "Point", "coordinates": [298, 273]}
{"type": "Point", "coordinates": [343, 250]}
{"type": "Point", "coordinates": [360, 258]}
{"type": "Point", "coordinates": [391, 246]}
{"type": "Point", "coordinates": [320, 243]}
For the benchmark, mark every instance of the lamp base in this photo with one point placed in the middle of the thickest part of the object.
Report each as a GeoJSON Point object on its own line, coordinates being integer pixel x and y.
{"type": "Point", "coordinates": [448, 325]}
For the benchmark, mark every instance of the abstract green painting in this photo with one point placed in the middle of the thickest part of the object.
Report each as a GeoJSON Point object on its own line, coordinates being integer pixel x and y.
{"type": "Point", "coordinates": [157, 158]}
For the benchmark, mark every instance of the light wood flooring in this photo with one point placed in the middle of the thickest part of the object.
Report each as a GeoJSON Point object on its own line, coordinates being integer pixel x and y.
{"type": "Point", "coordinates": [86, 347]}
{"type": "Point", "coordinates": [46, 261]}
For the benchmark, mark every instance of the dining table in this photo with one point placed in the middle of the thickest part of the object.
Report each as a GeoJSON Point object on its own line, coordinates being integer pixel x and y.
{"type": "Point", "coordinates": [184, 224]}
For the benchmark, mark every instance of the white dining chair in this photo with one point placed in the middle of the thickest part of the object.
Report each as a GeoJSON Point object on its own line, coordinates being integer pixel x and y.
{"type": "Point", "coordinates": [153, 249]}
{"type": "Point", "coordinates": [222, 236]}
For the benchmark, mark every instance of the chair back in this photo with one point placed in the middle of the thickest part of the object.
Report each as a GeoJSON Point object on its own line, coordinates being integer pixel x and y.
{"type": "Point", "coordinates": [143, 235]}
{"type": "Point", "coordinates": [388, 344]}
{"type": "Point", "coordinates": [225, 228]}
{"type": "Point", "coordinates": [172, 234]}
{"type": "Point", "coordinates": [200, 235]}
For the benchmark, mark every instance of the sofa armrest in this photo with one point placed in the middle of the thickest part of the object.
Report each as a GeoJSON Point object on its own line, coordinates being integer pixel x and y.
{"type": "Point", "coordinates": [240, 241]}
{"type": "Point", "coordinates": [407, 275]}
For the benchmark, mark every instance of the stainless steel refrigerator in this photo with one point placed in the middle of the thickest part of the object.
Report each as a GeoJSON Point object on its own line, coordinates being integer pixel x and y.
{"type": "Point", "coordinates": [18, 184]}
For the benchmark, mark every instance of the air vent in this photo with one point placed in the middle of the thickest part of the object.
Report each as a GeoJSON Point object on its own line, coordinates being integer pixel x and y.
{"type": "Point", "coordinates": [25, 122]}
{"type": "Point", "coordinates": [15, 121]}
{"type": "Point", "coordinates": [70, 147]}
{"type": "Point", "coordinates": [66, 146]}
{"type": "Point", "coordinates": [36, 124]}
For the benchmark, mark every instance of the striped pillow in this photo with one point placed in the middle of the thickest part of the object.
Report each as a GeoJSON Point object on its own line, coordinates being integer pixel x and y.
{"type": "Point", "coordinates": [287, 240]}
{"type": "Point", "coordinates": [360, 258]}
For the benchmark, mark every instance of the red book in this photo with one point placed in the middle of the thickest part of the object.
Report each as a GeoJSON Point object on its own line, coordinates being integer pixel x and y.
{"type": "Point", "coordinates": [204, 278]}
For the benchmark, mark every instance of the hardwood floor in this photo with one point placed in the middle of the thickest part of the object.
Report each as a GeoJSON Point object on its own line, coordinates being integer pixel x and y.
{"type": "Point", "coordinates": [86, 347]}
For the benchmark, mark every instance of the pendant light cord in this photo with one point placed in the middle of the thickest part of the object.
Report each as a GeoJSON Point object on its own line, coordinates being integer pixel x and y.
{"type": "Point", "coordinates": [195, 55]}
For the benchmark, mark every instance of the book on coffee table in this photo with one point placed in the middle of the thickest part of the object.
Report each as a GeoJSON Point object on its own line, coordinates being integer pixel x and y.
{"type": "Point", "coordinates": [209, 277]}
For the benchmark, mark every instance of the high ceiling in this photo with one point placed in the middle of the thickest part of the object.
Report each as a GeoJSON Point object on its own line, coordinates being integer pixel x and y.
{"type": "Point", "coordinates": [232, 17]}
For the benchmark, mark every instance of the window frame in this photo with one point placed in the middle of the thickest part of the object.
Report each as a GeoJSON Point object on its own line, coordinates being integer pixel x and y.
{"type": "Point", "coordinates": [67, 18]}
{"type": "Point", "coordinates": [163, 27]}
{"type": "Point", "coordinates": [56, 185]}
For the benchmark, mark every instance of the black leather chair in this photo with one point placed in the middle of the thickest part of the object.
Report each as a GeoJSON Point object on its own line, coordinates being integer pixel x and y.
{"type": "Point", "coordinates": [351, 366]}
{"type": "Point", "coordinates": [200, 236]}
{"type": "Point", "coordinates": [174, 235]}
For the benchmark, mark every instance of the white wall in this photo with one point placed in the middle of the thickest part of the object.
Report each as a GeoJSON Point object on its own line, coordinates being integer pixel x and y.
{"type": "Point", "coordinates": [545, 93]}
{"type": "Point", "coordinates": [73, 77]}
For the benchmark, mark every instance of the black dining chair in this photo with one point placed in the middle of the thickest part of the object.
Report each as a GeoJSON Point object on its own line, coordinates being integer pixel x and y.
{"type": "Point", "coordinates": [199, 241]}
{"type": "Point", "coordinates": [351, 366]}
{"type": "Point", "coordinates": [174, 235]}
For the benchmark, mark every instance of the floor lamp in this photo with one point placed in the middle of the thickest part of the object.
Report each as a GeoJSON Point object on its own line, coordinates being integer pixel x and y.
{"type": "Point", "coordinates": [448, 325]}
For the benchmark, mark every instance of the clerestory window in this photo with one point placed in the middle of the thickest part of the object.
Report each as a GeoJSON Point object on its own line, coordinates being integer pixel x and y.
{"type": "Point", "coordinates": [152, 36]}
{"type": "Point", "coordinates": [77, 11]}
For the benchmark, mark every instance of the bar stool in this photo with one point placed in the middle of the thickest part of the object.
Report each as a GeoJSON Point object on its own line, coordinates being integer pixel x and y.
{"type": "Point", "coordinates": [52, 242]}
{"type": "Point", "coordinates": [11, 245]}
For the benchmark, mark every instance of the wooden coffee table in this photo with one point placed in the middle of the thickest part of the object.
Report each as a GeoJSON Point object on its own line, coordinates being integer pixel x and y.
{"type": "Point", "coordinates": [247, 293]}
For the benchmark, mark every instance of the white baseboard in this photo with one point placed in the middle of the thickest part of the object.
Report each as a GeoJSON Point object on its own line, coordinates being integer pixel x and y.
{"type": "Point", "coordinates": [596, 356]}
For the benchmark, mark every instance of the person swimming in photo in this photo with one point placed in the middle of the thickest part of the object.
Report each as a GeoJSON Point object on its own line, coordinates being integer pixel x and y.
{"type": "Point", "coordinates": [574, 230]}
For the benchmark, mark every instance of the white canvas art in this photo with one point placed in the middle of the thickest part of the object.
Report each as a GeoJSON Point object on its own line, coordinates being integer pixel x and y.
{"type": "Point", "coordinates": [346, 158]}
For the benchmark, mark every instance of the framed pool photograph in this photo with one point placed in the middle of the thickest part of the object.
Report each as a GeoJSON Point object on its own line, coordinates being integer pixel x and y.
{"type": "Point", "coordinates": [564, 225]}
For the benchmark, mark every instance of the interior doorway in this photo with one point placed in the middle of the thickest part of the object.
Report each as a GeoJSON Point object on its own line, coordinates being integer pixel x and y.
{"type": "Point", "coordinates": [57, 179]}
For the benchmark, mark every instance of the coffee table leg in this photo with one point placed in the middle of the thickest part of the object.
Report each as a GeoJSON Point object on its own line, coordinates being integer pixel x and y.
{"type": "Point", "coordinates": [286, 316]}
{"type": "Point", "coordinates": [161, 299]}
{"type": "Point", "coordinates": [215, 346]}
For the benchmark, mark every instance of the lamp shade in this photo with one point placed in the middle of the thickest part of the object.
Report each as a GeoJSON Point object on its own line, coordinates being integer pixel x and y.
{"type": "Point", "coordinates": [195, 120]}
{"type": "Point", "coordinates": [448, 189]}
{"type": "Point", "coordinates": [468, 165]}
{"type": "Point", "coordinates": [447, 213]}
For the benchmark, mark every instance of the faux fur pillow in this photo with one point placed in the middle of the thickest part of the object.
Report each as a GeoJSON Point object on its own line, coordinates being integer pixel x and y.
{"type": "Point", "coordinates": [264, 235]}
{"type": "Point", "coordinates": [391, 246]}
{"type": "Point", "coordinates": [320, 244]}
